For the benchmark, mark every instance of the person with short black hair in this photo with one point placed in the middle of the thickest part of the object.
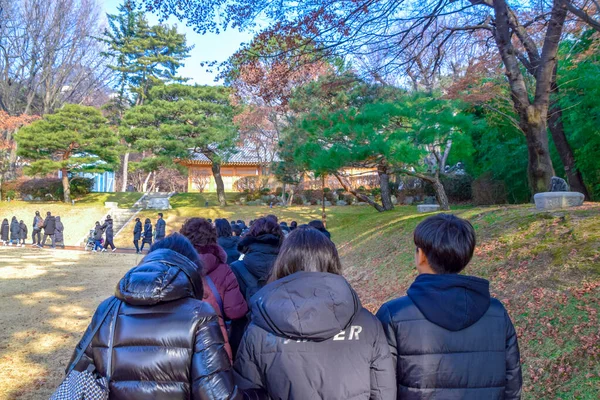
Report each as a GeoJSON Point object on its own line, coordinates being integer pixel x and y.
{"type": "Point", "coordinates": [98, 233]}
{"type": "Point", "coordinates": [160, 228]}
{"type": "Point", "coordinates": [293, 225]}
{"type": "Point", "coordinates": [320, 226]}
{"type": "Point", "coordinates": [226, 239]}
{"type": "Point", "coordinates": [237, 232]}
{"type": "Point", "coordinates": [309, 336]}
{"type": "Point", "coordinates": [38, 224]}
{"type": "Point", "coordinates": [448, 335]}
{"type": "Point", "coordinates": [107, 227]}
{"type": "Point", "coordinates": [167, 342]}
{"type": "Point", "coordinates": [137, 235]}
{"type": "Point", "coordinates": [5, 231]}
{"type": "Point", "coordinates": [147, 234]}
{"type": "Point", "coordinates": [49, 229]}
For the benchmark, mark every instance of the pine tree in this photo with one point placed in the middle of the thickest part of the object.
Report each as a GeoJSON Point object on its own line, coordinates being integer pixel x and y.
{"type": "Point", "coordinates": [144, 56]}
{"type": "Point", "coordinates": [74, 139]}
{"type": "Point", "coordinates": [179, 120]}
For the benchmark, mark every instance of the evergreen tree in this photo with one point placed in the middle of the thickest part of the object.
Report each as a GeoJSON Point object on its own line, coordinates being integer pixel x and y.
{"type": "Point", "coordinates": [143, 56]}
{"type": "Point", "coordinates": [74, 139]}
{"type": "Point", "coordinates": [180, 120]}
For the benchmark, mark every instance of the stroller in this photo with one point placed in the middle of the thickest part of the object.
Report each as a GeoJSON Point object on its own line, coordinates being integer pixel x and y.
{"type": "Point", "coordinates": [90, 242]}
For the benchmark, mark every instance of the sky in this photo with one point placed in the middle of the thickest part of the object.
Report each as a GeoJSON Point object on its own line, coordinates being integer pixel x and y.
{"type": "Point", "coordinates": [206, 47]}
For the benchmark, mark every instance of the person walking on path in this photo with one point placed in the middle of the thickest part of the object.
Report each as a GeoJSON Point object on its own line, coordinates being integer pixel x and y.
{"type": "Point", "coordinates": [49, 229]}
{"type": "Point", "coordinates": [159, 340]}
{"type": "Point", "coordinates": [310, 337]}
{"type": "Point", "coordinates": [38, 224]}
{"type": "Point", "coordinates": [147, 234]}
{"type": "Point", "coordinates": [98, 233]}
{"type": "Point", "coordinates": [59, 232]}
{"type": "Point", "coordinates": [15, 232]}
{"type": "Point", "coordinates": [160, 227]}
{"type": "Point", "coordinates": [23, 235]}
{"type": "Point", "coordinates": [107, 227]}
{"type": "Point", "coordinates": [449, 337]}
{"type": "Point", "coordinates": [203, 236]}
{"type": "Point", "coordinates": [137, 235]}
{"type": "Point", "coordinates": [5, 231]}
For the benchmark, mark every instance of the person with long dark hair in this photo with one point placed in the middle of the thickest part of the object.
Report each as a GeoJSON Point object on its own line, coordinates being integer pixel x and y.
{"type": "Point", "coordinates": [227, 240]}
{"type": "Point", "coordinates": [147, 239]}
{"type": "Point", "coordinates": [260, 247]}
{"type": "Point", "coordinates": [309, 336]}
{"type": "Point", "coordinates": [159, 339]}
{"type": "Point", "coordinates": [227, 297]}
{"type": "Point", "coordinates": [320, 226]}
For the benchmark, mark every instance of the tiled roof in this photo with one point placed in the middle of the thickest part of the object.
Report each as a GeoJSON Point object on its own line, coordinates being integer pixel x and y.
{"type": "Point", "coordinates": [245, 154]}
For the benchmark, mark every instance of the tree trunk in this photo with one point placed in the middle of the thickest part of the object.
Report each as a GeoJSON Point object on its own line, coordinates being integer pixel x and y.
{"type": "Point", "coordinates": [283, 194]}
{"type": "Point", "coordinates": [324, 215]}
{"type": "Point", "coordinates": [125, 167]}
{"type": "Point", "coordinates": [290, 201]}
{"type": "Point", "coordinates": [216, 170]}
{"type": "Point", "coordinates": [557, 129]}
{"type": "Point", "coordinates": [346, 185]}
{"type": "Point", "coordinates": [66, 185]}
{"type": "Point", "coordinates": [145, 184]}
{"type": "Point", "coordinates": [440, 193]}
{"type": "Point", "coordinates": [384, 184]}
{"type": "Point", "coordinates": [539, 170]}
{"type": "Point", "coordinates": [11, 173]}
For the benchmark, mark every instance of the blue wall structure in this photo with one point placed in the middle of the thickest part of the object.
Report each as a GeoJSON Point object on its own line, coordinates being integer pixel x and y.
{"type": "Point", "coordinates": [104, 182]}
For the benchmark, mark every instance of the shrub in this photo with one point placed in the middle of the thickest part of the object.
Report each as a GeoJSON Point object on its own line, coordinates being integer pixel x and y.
{"type": "Point", "coordinates": [458, 187]}
{"type": "Point", "coordinates": [81, 186]}
{"type": "Point", "coordinates": [44, 188]}
{"type": "Point", "coordinates": [487, 191]}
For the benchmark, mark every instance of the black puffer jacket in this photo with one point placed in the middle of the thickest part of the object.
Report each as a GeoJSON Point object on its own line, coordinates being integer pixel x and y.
{"type": "Point", "coordinates": [147, 233]}
{"type": "Point", "coordinates": [160, 228]}
{"type": "Point", "coordinates": [253, 271]}
{"type": "Point", "coordinates": [167, 344]}
{"type": "Point", "coordinates": [230, 245]}
{"type": "Point", "coordinates": [4, 230]}
{"type": "Point", "coordinates": [452, 341]}
{"type": "Point", "coordinates": [107, 227]}
{"type": "Point", "coordinates": [23, 234]}
{"type": "Point", "coordinates": [137, 230]}
{"type": "Point", "coordinates": [59, 231]}
{"type": "Point", "coordinates": [15, 229]}
{"type": "Point", "coordinates": [310, 338]}
{"type": "Point", "coordinates": [49, 225]}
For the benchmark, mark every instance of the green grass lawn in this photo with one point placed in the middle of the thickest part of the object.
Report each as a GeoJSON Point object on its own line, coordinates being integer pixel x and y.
{"type": "Point", "coordinates": [125, 199]}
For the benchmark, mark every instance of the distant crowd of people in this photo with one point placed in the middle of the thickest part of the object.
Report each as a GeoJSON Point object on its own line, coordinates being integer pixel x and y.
{"type": "Point", "coordinates": [228, 311]}
{"type": "Point", "coordinates": [16, 232]}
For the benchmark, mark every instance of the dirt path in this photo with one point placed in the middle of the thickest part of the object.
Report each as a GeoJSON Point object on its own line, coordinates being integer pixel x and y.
{"type": "Point", "coordinates": [46, 301]}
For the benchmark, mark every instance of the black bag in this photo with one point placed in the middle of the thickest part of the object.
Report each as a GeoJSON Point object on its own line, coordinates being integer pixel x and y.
{"type": "Point", "coordinates": [86, 385]}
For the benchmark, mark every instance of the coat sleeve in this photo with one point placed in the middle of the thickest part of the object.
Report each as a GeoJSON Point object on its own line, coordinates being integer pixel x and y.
{"type": "Point", "coordinates": [212, 377]}
{"type": "Point", "coordinates": [383, 372]}
{"type": "Point", "coordinates": [247, 370]}
{"type": "Point", "coordinates": [234, 304]}
{"type": "Point", "coordinates": [514, 377]}
{"type": "Point", "coordinates": [385, 317]}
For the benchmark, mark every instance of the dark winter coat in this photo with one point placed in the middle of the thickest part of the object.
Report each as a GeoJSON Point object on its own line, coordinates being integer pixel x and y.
{"type": "Point", "coordinates": [15, 229]}
{"type": "Point", "coordinates": [23, 235]}
{"type": "Point", "coordinates": [452, 341]}
{"type": "Point", "coordinates": [147, 233]}
{"type": "Point", "coordinates": [160, 228]}
{"type": "Point", "coordinates": [49, 225]}
{"type": "Point", "coordinates": [230, 245]}
{"type": "Point", "coordinates": [98, 232]}
{"type": "Point", "coordinates": [310, 338]}
{"type": "Point", "coordinates": [4, 230]}
{"type": "Point", "coordinates": [167, 343]}
{"type": "Point", "coordinates": [253, 271]}
{"type": "Point", "coordinates": [59, 231]}
{"type": "Point", "coordinates": [107, 227]}
{"type": "Point", "coordinates": [137, 230]}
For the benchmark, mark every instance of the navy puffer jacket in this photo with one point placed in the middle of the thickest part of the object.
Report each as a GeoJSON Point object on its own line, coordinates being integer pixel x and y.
{"type": "Point", "coordinates": [230, 245]}
{"type": "Point", "coordinates": [167, 343]}
{"type": "Point", "coordinates": [452, 341]}
{"type": "Point", "coordinates": [310, 338]}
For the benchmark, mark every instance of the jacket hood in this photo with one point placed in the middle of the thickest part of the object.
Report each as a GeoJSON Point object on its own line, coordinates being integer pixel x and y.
{"type": "Point", "coordinates": [453, 302]}
{"type": "Point", "coordinates": [260, 254]}
{"type": "Point", "coordinates": [229, 242]}
{"type": "Point", "coordinates": [57, 219]}
{"type": "Point", "coordinates": [306, 305]}
{"type": "Point", "coordinates": [212, 256]}
{"type": "Point", "coordinates": [162, 276]}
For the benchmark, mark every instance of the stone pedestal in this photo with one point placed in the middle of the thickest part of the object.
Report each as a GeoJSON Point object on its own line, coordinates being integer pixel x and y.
{"type": "Point", "coordinates": [425, 208]}
{"type": "Point", "coordinates": [158, 203]}
{"type": "Point", "coordinates": [557, 200]}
